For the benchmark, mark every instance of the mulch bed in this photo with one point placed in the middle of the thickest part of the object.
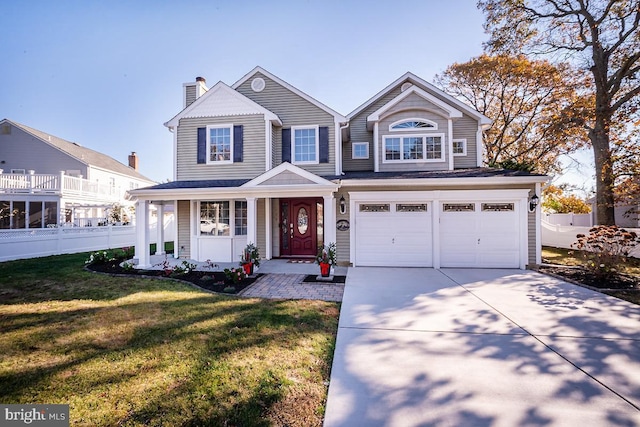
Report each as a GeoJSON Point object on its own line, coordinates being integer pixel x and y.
{"type": "Point", "coordinates": [582, 276]}
{"type": "Point", "coordinates": [215, 281]}
{"type": "Point", "coordinates": [313, 278]}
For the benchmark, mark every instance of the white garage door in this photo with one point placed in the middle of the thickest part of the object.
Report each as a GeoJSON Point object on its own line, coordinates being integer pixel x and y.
{"type": "Point", "coordinates": [479, 234]}
{"type": "Point", "coordinates": [394, 234]}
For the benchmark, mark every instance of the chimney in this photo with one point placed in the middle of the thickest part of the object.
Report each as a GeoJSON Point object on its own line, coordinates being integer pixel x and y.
{"type": "Point", "coordinates": [195, 90]}
{"type": "Point", "coordinates": [133, 160]}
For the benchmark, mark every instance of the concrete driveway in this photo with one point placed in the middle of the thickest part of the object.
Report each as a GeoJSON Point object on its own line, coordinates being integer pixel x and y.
{"type": "Point", "coordinates": [466, 347]}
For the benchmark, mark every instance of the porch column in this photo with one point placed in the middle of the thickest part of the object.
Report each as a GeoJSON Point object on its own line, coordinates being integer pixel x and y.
{"type": "Point", "coordinates": [252, 221]}
{"type": "Point", "coordinates": [142, 234]}
{"type": "Point", "coordinates": [329, 219]}
{"type": "Point", "coordinates": [160, 229]}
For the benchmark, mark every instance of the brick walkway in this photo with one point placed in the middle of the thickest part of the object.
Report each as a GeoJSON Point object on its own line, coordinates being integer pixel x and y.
{"type": "Point", "coordinates": [290, 286]}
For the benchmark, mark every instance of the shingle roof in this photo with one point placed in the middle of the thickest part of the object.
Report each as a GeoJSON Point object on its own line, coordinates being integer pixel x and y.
{"type": "Point", "coordinates": [456, 173]}
{"type": "Point", "coordinates": [83, 154]}
{"type": "Point", "coordinates": [207, 183]}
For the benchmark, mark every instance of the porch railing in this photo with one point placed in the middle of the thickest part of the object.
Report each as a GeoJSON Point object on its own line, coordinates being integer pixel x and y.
{"type": "Point", "coordinates": [60, 184]}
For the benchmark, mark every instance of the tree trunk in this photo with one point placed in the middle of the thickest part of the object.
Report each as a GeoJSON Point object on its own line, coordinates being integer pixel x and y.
{"type": "Point", "coordinates": [599, 137]}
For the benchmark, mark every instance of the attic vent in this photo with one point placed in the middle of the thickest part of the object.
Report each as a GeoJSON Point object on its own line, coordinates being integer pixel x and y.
{"type": "Point", "coordinates": [405, 86]}
{"type": "Point", "coordinates": [258, 84]}
{"type": "Point", "coordinates": [5, 130]}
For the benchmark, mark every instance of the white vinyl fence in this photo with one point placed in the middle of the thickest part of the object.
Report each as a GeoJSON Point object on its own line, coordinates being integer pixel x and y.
{"type": "Point", "coordinates": [578, 220]}
{"type": "Point", "coordinates": [560, 236]}
{"type": "Point", "coordinates": [38, 242]}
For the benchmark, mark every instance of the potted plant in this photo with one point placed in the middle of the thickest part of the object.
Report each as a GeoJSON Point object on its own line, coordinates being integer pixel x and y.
{"type": "Point", "coordinates": [326, 259]}
{"type": "Point", "coordinates": [250, 257]}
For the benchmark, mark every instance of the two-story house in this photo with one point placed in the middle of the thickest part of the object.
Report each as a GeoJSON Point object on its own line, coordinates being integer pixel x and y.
{"type": "Point", "coordinates": [46, 181]}
{"type": "Point", "coordinates": [397, 182]}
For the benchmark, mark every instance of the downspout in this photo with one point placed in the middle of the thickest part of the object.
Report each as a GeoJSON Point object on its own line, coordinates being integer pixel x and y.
{"type": "Point", "coordinates": [339, 170]}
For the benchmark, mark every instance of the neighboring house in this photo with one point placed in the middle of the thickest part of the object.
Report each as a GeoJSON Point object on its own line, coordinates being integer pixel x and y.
{"type": "Point", "coordinates": [46, 181]}
{"type": "Point", "coordinates": [398, 182]}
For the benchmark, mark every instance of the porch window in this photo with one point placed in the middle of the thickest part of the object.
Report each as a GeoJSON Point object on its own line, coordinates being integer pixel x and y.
{"type": "Point", "coordinates": [5, 214]}
{"type": "Point", "coordinates": [240, 218]}
{"type": "Point", "coordinates": [305, 145]}
{"type": "Point", "coordinates": [214, 218]}
{"type": "Point", "coordinates": [220, 144]}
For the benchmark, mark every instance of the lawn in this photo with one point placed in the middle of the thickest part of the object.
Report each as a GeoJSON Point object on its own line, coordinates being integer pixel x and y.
{"type": "Point", "coordinates": [570, 257]}
{"type": "Point", "coordinates": [129, 351]}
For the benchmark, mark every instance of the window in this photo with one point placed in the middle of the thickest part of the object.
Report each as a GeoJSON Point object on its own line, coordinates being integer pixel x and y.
{"type": "Point", "coordinates": [305, 145]}
{"type": "Point", "coordinates": [214, 218]}
{"type": "Point", "coordinates": [415, 148]}
{"type": "Point", "coordinates": [220, 144]}
{"type": "Point", "coordinates": [240, 218]}
{"type": "Point", "coordinates": [374, 208]}
{"type": "Point", "coordinates": [459, 207]}
{"type": "Point", "coordinates": [497, 207]}
{"type": "Point", "coordinates": [422, 207]}
{"type": "Point", "coordinates": [412, 124]}
{"type": "Point", "coordinates": [459, 147]}
{"type": "Point", "coordinates": [360, 150]}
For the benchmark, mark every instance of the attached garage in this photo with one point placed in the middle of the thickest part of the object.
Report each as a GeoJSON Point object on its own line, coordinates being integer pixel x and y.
{"type": "Point", "coordinates": [394, 234]}
{"type": "Point", "coordinates": [480, 234]}
{"type": "Point", "coordinates": [483, 229]}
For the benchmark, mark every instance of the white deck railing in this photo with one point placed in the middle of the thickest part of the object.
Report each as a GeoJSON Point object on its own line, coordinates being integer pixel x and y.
{"type": "Point", "coordinates": [61, 184]}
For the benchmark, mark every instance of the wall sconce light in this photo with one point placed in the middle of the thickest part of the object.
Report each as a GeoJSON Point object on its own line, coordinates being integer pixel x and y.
{"type": "Point", "coordinates": [343, 205]}
{"type": "Point", "coordinates": [533, 202]}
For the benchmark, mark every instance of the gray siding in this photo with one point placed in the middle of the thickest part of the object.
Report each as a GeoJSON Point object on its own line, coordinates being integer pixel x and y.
{"type": "Point", "coordinates": [184, 229]}
{"type": "Point", "coordinates": [253, 162]}
{"type": "Point", "coordinates": [293, 110]}
{"type": "Point", "coordinates": [262, 235]}
{"type": "Point", "coordinates": [467, 128]}
{"type": "Point", "coordinates": [343, 244]}
{"type": "Point", "coordinates": [287, 178]}
{"type": "Point", "coordinates": [20, 150]}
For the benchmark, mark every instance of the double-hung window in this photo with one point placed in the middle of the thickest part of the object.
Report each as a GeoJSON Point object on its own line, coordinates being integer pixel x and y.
{"type": "Point", "coordinates": [413, 148]}
{"type": "Point", "coordinates": [220, 144]}
{"type": "Point", "coordinates": [304, 147]}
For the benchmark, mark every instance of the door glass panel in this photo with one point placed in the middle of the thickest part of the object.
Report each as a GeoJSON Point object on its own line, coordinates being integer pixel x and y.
{"type": "Point", "coordinates": [320, 222]}
{"type": "Point", "coordinates": [303, 221]}
{"type": "Point", "coordinates": [284, 211]}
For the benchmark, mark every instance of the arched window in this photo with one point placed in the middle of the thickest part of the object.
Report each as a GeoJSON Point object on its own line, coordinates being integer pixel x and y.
{"type": "Point", "coordinates": [413, 124]}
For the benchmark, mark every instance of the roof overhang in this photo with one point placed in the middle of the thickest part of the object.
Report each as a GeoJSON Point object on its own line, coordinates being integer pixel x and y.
{"type": "Point", "coordinates": [445, 182]}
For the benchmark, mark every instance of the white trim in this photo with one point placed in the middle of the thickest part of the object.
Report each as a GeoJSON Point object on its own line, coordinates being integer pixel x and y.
{"type": "Point", "coordinates": [353, 146]}
{"type": "Point", "coordinates": [293, 145]}
{"type": "Point", "coordinates": [464, 147]}
{"type": "Point", "coordinates": [269, 144]}
{"type": "Point", "coordinates": [516, 180]}
{"type": "Point", "coordinates": [434, 125]}
{"type": "Point", "coordinates": [538, 226]}
{"type": "Point", "coordinates": [448, 110]}
{"type": "Point", "coordinates": [236, 85]}
{"type": "Point", "coordinates": [208, 142]}
{"type": "Point", "coordinates": [408, 76]}
{"type": "Point", "coordinates": [337, 147]}
{"type": "Point", "coordinates": [450, 143]}
{"type": "Point", "coordinates": [376, 148]}
{"type": "Point", "coordinates": [435, 229]}
{"type": "Point", "coordinates": [479, 146]}
{"type": "Point", "coordinates": [424, 148]}
{"type": "Point", "coordinates": [268, 234]}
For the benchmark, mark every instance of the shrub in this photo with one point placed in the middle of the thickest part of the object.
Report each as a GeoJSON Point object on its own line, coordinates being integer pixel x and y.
{"type": "Point", "coordinates": [235, 275]}
{"type": "Point", "coordinates": [605, 247]}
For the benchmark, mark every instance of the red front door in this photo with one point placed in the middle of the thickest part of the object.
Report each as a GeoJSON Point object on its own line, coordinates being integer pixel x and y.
{"type": "Point", "coordinates": [299, 227]}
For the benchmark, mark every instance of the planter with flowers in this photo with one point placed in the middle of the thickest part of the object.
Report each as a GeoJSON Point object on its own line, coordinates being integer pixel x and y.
{"type": "Point", "coordinates": [250, 257]}
{"type": "Point", "coordinates": [326, 259]}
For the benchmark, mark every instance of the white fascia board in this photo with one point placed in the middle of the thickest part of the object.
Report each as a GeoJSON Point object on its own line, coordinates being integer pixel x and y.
{"type": "Point", "coordinates": [448, 182]}
{"type": "Point", "coordinates": [448, 195]}
{"type": "Point", "coordinates": [302, 190]}
{"type": "Point", "coordinates": [339, 117]}
{"type": "Point", "coordinates": [252, 107]}
{"type": "Point", "coordinates": [286, 166]}
{"type": "Point", "coordinates": [451, 111]}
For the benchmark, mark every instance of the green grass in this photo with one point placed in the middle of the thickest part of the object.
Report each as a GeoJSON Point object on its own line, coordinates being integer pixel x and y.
{"type": "Point", "coordinates": [127, 351]}
{"type": "Point", "coordinates": [571, 257]}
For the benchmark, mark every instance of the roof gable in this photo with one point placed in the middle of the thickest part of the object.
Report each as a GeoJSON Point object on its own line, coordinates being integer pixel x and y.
{"type": "Point", "coordinates": [82, 154]}
{"type": "Point", "coordinates": [221, 100]}
{"type": "Point", "coordinates": [286, 174]}
{"type": "Point", "coordinates": [339, 117]}
{"type": "Point", "coordinates": [427, 88]}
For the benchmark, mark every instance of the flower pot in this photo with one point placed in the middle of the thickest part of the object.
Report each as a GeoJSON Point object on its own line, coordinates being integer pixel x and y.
{"type": "Point", "coordinates": [325, 269]}
{"type": "Point", "coordinates": [248, 268]}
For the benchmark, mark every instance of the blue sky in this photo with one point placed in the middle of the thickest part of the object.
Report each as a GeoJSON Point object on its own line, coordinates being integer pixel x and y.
{"type": "Point", "coordinates": [108, 74]}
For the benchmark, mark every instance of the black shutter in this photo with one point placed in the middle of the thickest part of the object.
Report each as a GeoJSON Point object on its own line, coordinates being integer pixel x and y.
{"type": "Point", "coordinates": [286, 145]}
{"type": "Point", "coordinates": [237, 143]}
{"type": "Point", "coordinates": [202, 145]}
{"type": "Point", "coordinates": [323, 135]}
